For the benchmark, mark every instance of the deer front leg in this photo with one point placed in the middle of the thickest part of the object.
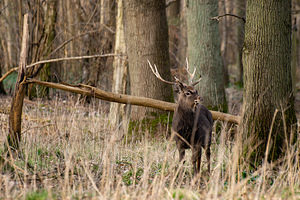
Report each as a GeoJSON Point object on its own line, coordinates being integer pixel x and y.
{"type": "Point", "coordinates": [196, 159]}
{"type": "Point", "coordinates": [181, 150]}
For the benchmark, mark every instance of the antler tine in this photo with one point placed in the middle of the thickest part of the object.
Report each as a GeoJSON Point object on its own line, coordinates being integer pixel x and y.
{"type": "Point", "coordinates": [196, 82]}
{"type": "Point", "coordinates": [188, 71]}
{"type": "Point", "coordinates": [156, 73]}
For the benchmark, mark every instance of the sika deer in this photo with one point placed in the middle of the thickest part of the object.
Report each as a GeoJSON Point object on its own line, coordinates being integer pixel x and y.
{"type": "Point", "coordinates": [192, 122]}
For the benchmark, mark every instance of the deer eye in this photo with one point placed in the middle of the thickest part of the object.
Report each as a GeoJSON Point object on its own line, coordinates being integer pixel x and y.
{"type": "Point", "coordinates": [187, 93]}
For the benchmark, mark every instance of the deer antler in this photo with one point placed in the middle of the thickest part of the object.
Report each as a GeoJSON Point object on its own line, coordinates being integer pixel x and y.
{"type": "Point", "coordinates": [156, 73]}
{"type": "Point", "coordinates": [191, 75]}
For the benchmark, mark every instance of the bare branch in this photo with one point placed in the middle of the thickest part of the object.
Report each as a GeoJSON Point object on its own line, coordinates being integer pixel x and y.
{"type": "Point", "coordinates": [228, 14]}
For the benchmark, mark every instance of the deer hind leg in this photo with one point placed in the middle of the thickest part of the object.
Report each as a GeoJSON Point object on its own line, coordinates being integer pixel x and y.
{"type": "Point", "coordinates": [181, 150]}
{"type": "Point", "coordinates": [196, 159]}
{"type": "Point", "coordinates": [207, 152]}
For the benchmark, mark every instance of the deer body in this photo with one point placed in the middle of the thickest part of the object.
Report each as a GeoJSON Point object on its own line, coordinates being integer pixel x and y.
{"type": "Point", "coordinates": [192, 128]}
{"type": "Point", "coordinates": [192, 122]}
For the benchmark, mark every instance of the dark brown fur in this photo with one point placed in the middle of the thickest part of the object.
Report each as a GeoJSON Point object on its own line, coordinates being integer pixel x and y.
{"type": "Point", "coordinates": [192, 124]}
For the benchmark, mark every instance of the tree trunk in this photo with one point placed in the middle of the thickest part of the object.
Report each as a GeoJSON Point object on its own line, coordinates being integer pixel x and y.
{"type": "Point", "coordinates": [240, 9]}
{"type": "Point", "coordinates": [72, 70]}
{"type": "Point", "coordinates": [146, 36]}
{"type": "Point", "coordinates": [99, 73]}
{"type": "Point", "coordinates": [48, 37]}
{"type": "Point", "coordinates": [182, 40]}
{"type": "Point", "coordinates": [267, 78]}
{"type": "Point", "coordinates": [204, 52]}
{"type": "Point", "coordinates": [173, 26]}
{"type": "Point", "coordinates": [118, 112]}
{"type": "Point", "coordinates": [11, 33]}
{"type": "Point", "coordinates": [224, 29]}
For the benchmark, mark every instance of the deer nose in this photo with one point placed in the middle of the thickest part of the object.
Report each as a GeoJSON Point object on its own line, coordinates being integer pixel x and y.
{"type": "Point", "coordinates": [198, 100]}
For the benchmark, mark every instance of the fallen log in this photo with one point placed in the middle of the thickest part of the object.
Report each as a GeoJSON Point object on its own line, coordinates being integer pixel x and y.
{"type": "Point", "coordinates": [126, 99]}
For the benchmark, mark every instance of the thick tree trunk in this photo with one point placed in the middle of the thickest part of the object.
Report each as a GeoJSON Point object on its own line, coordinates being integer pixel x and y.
{"type": "Point", "coordinates": [118, 112]}
{"type": "Point", "coordinates": [146, 36]}
{"type": "Point", "coordinates": [204, 52]}
{"type": "Point", "coordinates": [267, 77]}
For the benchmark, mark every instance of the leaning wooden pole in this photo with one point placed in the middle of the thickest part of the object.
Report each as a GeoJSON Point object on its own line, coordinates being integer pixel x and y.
{"type": "Point", "coordinates": [126, 99]}
{"type": "Point", "coordinates": [15, 115]}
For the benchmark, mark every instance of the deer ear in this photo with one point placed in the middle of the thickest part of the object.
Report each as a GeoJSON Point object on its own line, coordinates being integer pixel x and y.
{"type": "Point", "coordinates": [179, 87]}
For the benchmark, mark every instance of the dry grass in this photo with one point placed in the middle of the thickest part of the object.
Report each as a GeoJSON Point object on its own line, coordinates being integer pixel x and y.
{"type": "Point", "coordinates": [70, 152]}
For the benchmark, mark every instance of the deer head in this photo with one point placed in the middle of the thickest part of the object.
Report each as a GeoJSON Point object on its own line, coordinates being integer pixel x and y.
{"type": "Point", "coordinates": [187, 94]}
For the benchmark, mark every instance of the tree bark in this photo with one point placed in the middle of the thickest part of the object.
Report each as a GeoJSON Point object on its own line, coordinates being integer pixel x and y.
{"type": "Point", "coordinates": [146, 36]}
{"type": "Point", "coordinates": [267, 78]}
{"type": "Point", "coordinates": [204, 52]}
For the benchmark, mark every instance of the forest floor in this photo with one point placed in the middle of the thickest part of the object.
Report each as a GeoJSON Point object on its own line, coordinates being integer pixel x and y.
{"type": "Point", "coordinates": [69, 151]}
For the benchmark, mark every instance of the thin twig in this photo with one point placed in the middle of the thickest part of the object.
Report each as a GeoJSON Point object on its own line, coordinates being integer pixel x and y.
{"type": "Point", "coordinates": [228, 14]}
{"type": "Point", "coordinates": [72, 58]}
{"type": "Point", "coordinates": [57, 60]}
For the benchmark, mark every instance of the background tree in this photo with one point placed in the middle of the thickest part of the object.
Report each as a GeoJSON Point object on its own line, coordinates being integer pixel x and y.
{"type": "Point", "coordinates": [204, 52]}
{"type": "Point", "coordinates": [100, 71]}
{"type": "Point", "coordinates": [182, 43]}
{"type": "Point", "coordinates": [146, 36]}
{"type": "Point", "coordinates": [47, 41]}
{"type": "Point", "coordinates": [239, 10]}
{"type": "Point", "coordinates": [172, 11]}
{"type": "Point", "coordinates": [11, 32]}
{"type": "Point", "coordinates": [118, 112]}
{"type": "Point", "coordinates": [267, 76]}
